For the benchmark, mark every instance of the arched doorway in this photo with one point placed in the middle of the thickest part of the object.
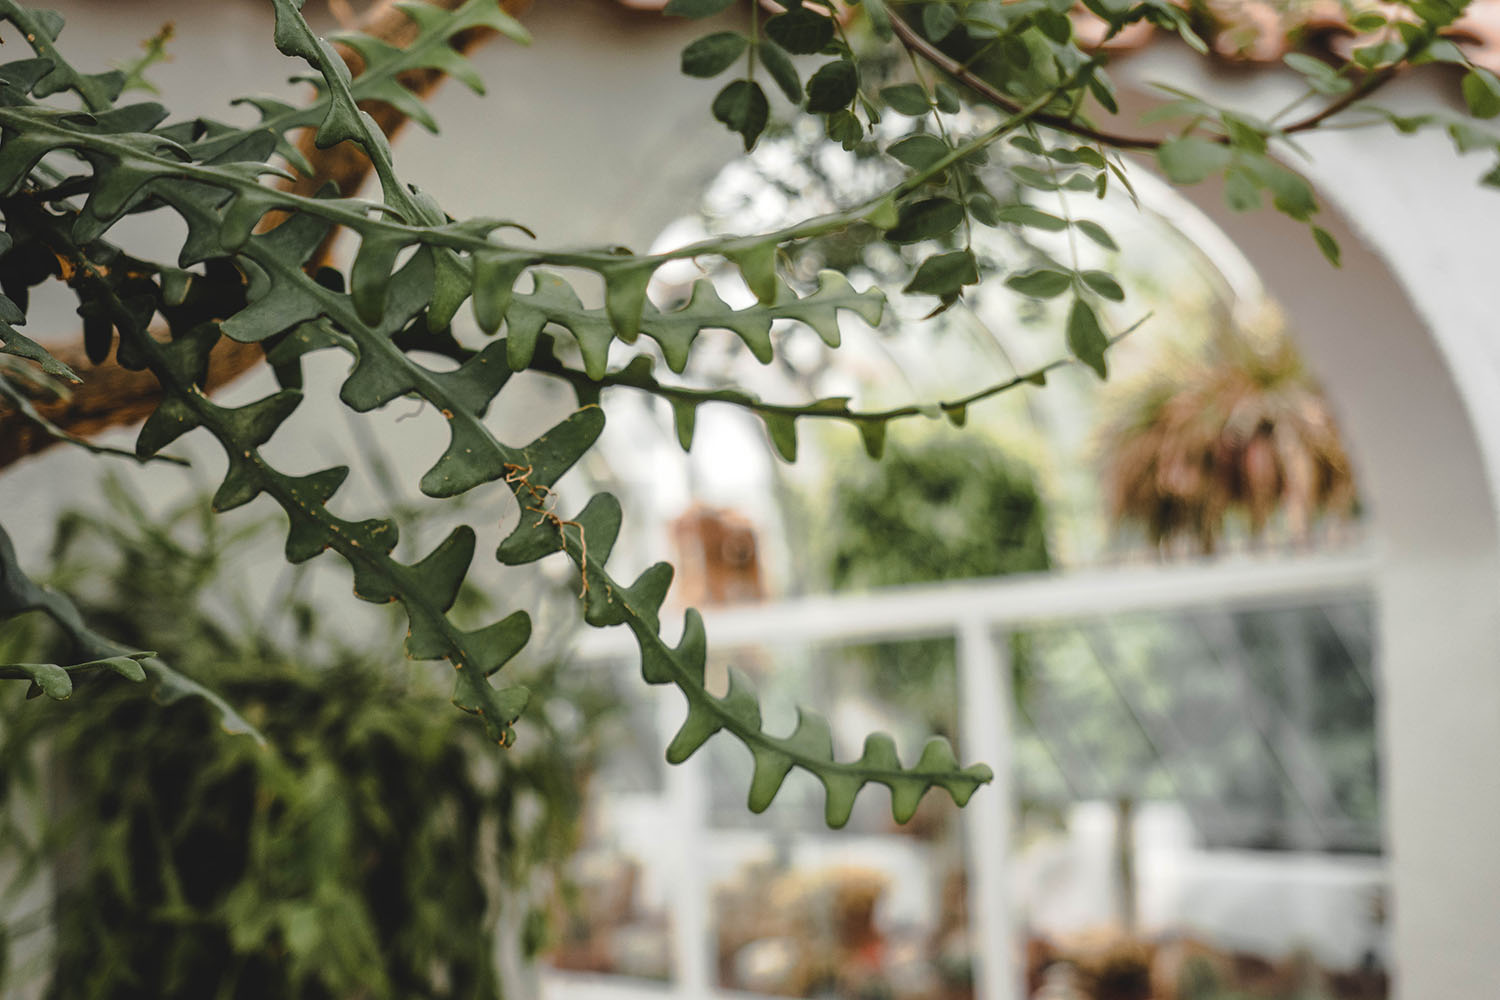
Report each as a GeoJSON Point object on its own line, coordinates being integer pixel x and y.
{"type": "Point", "coordinates": [1402, 339]}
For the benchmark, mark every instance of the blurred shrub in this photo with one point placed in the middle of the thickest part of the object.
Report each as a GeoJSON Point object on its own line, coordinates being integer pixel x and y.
{"type": "Point", "coordinates": [366, 852]}
{"type": "Point", "coordinates": [947, 508]}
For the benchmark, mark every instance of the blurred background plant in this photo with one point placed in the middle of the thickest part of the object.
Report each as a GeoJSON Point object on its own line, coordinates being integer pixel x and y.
{"type": "Point", "coordinates": [948, 507]}
{"type": "Point", "coordinates": [377, 847]}
{"type": "Point", "coordinates": [1226, 433]}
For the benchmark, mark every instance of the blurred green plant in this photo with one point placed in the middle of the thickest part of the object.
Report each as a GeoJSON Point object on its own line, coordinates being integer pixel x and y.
{"type": "Point", "coordinates": [366, 851]}
{"type": "Point", "coordinates": [946, 508]}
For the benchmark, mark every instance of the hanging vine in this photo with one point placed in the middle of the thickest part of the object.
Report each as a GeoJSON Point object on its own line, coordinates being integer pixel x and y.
{"type": "Point", "coordinates": [75, 160]}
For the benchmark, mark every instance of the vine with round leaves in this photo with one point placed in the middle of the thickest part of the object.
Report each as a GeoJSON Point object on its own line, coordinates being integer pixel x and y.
{"type": "Point", "coordinates": [75, 160]}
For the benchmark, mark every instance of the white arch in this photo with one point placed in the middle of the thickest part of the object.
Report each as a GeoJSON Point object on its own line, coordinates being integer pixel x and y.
{"type": "Point", "coordinates": [1403, 338]}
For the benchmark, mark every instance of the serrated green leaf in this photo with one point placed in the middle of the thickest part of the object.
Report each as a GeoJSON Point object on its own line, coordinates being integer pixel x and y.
{"type": "Point", "coordinates": [495, 274]}
{"type": "Point", "coordinates": [498, 709]}
{"type": "Point", "coordinates": [254, 423]}
{"type": "Point", "coordinates": [172, 686]}
{"type": "Point", "coordinates": [16, 344]}
{"type": "Point", "coordinates": [128, 667]}
{"type": "Point", "coordinates": [440, 574]}
{"type": "Point", "coordinates": [452, 281]}
{"type": "Point", "coordinates": [771, 767]}
{"type": "Point", "coordinates": [169, 421]}
{"type": "Point", "coordinates": [370, 276]}
{"type": "Point", "coordinates": [694, 732]}
{"type": "Point", "coordinates": [553, 300]}
{"type": "Point", "coordinates": [52, 679]}
{"type": "Point", "coordinates": [625, 294]}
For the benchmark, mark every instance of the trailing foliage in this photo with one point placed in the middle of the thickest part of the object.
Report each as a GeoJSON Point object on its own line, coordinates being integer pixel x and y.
{"type": "Point", "coordinates": [75, 160]}
{"type": "Point", "coordinates": [369, 853]}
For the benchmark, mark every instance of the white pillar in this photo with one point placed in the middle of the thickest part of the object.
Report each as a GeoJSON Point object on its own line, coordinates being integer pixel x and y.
{"type": "Point", "coordinates": [984, 691]}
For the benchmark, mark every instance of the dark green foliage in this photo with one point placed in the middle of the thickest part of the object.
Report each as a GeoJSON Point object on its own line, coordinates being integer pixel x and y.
{"type": "Point", "coordinates": [928, 219]}
{"type": "Point", "coordinates": [945, 274]}
{"type": "Point", "coordinates": [953, 508]}
{"type": "Point", "coordinates": [833, 86]}
{"type": "Point", "coordinates": [341, 863]}
{"type": "Point", "coordinates": [801, 31]}
{"type": "Point", "coordinates": [713, 54]}
{"type": "Point", "coordinates": [907, 98]}
{"type": "Point", "coordinates": [776, 61]}
{"type": "Point", "coordinates": [363, 852]}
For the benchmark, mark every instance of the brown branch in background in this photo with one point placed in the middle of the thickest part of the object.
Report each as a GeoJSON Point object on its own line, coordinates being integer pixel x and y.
{"type": "Point", "coordinates": [956, 70]}
{"type": "Point", "coordinates": [111, 396]}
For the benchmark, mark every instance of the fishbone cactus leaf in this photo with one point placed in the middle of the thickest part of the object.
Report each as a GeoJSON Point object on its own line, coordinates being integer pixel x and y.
{"type": "Point", "coordinates": [412, 272]}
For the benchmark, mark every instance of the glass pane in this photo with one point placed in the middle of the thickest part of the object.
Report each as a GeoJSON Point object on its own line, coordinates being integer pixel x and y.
{"type": "Point", "coordinates": [1198, 805]}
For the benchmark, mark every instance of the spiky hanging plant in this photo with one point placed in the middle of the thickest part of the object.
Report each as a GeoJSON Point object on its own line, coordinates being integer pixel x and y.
{"type": "Point", "coordinates": [1233, 426]}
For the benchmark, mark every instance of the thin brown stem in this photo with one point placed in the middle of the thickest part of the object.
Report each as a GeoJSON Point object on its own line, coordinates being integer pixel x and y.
{"type": "Point", "coordinates": [959, 72]}
{"type": "Point", "coordinates": [627, 378]}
